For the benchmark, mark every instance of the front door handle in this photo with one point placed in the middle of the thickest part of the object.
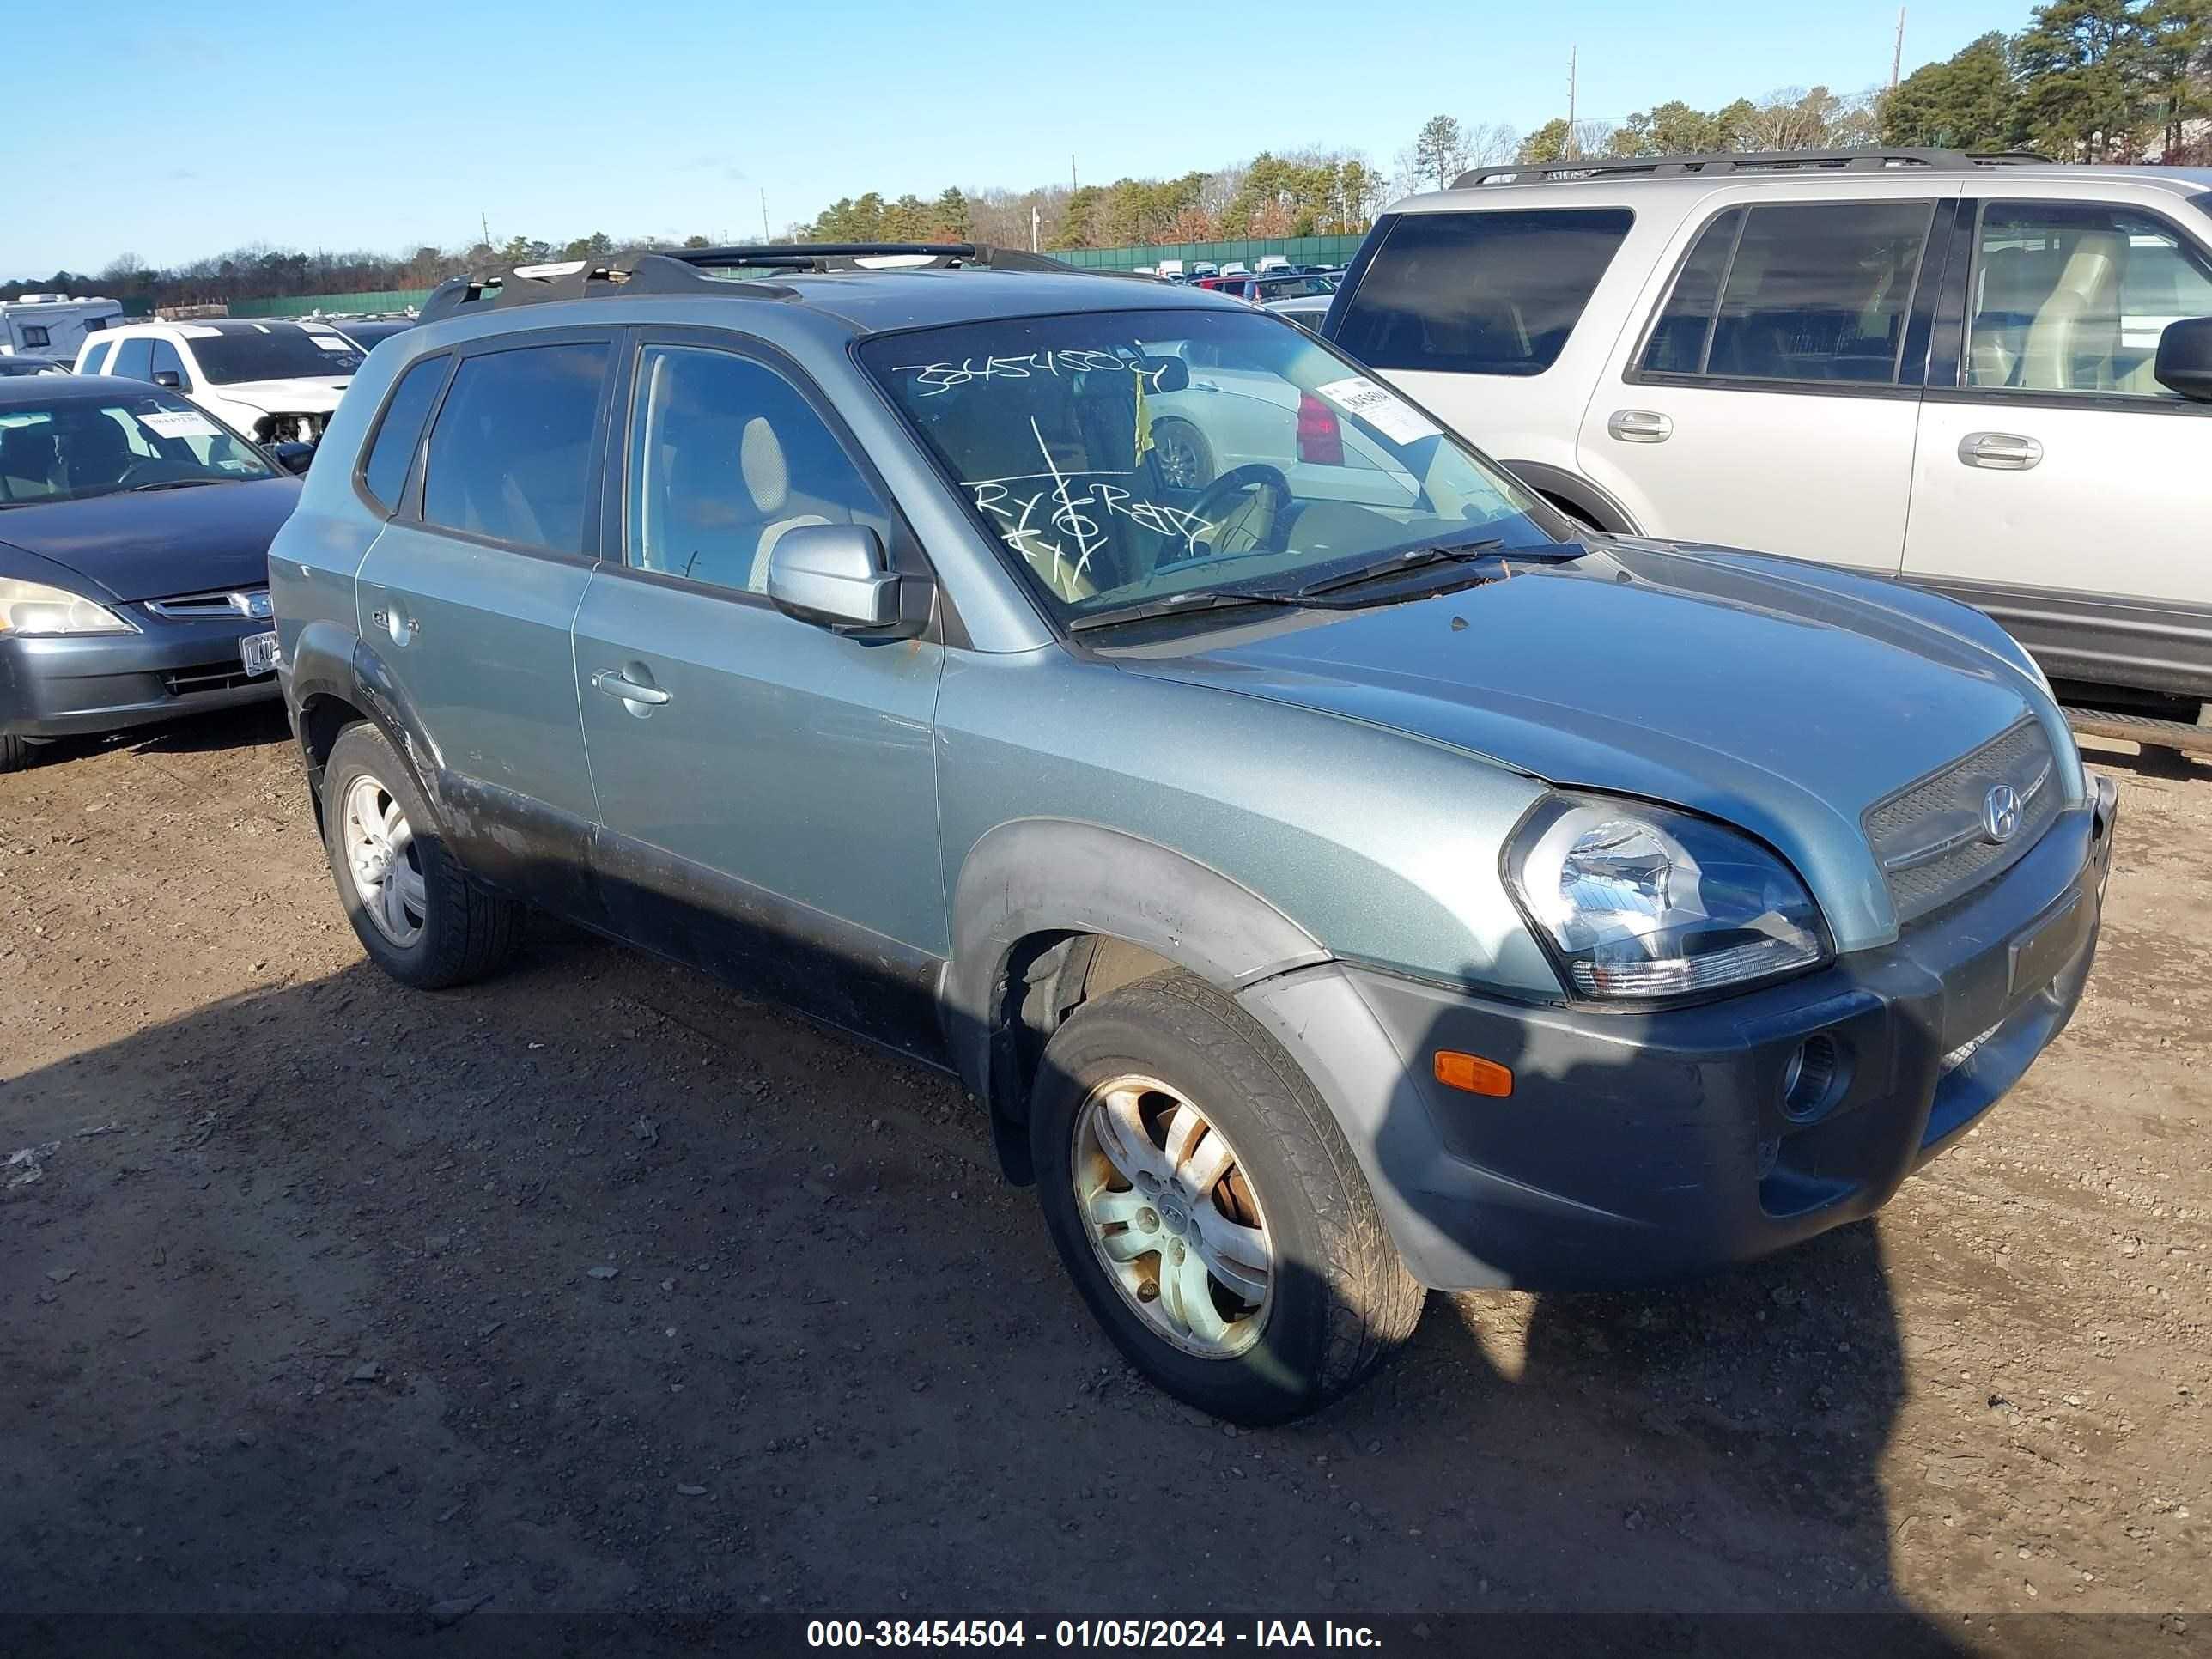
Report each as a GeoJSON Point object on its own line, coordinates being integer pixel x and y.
{"type": "Point", "coordinates": [616, 684]}
{"type": "Point", "coordinates": [1639, 426]}
{"type": "Point", "coordinates": [2001, 451]}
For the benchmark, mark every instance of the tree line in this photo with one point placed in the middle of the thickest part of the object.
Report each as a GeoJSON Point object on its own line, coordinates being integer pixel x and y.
{"type": "Point", "coordinates": [2086, 80]}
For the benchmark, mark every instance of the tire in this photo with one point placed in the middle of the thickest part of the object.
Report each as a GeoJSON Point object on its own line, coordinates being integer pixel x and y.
{"type": "Point", "coordinates": [1337, 1297]}
{"type": "Point", "coordinates": [1173, 436]}
{"type": "Point", "coordinates": [460, 932]}
{"type": "Point", "coordinates": [15, 754]}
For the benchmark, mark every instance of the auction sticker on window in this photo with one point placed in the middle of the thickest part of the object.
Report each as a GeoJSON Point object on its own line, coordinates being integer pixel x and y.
{"type": "Point", "coordinates": [179, 423]}
{"type": "Point", "coordinates": [1380, 407]}
{"type": "Point", "coordinates": [331, 342]}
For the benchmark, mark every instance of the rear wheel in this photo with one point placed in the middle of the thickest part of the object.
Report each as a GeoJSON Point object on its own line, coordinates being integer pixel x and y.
{"type": "Point", "coordinates": [416, 910]}
{"type": "Point", "coordinates": [1211, 1213]}
{"type": "Point", "coordinates": [15, 754]}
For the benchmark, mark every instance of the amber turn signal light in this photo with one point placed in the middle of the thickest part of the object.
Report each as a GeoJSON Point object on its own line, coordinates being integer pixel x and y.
{"type": "Point", "coordinates": [1472, 1073]}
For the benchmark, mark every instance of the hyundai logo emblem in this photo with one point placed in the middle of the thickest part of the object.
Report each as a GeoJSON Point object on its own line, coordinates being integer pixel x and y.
{"type": "Point", "coordinates": [2001, 813]}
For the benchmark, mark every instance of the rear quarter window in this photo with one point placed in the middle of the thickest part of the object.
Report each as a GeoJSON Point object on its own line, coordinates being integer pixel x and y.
{"type": "Point", "coordinates": [390, 453]}
{"type": "Point", "coordinates": [1490, 293]}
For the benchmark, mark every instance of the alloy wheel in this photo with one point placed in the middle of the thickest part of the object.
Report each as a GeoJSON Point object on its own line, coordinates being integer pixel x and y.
{"type": "Point", "coordinates": [384, 862]}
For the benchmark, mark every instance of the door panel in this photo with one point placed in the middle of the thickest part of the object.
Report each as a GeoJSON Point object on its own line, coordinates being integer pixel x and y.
{"type": "Point", "coordinates": [772, 814]}
{"type": "Point", "coordinates": [1772, 401]}
{"type": "Point", "coordinates": [767, 788]}
{"type": "Point", "coordinates": [476, 639]}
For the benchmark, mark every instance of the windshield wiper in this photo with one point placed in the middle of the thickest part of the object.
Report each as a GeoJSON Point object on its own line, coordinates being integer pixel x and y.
{"type": "Point", "coordinates": [1194, 603]}
{"type": "Point", "coordinates": [173, 484]}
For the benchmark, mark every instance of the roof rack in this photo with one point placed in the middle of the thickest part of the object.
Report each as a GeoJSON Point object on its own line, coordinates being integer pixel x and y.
{"type": "Point", "coordinates": [685, 270]}
{"type": "Point", "coordinates": [1726, 161]}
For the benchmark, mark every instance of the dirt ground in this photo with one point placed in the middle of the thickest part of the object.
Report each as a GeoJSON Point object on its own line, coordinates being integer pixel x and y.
{"type": "Point", "coordinates": [599, 1288]}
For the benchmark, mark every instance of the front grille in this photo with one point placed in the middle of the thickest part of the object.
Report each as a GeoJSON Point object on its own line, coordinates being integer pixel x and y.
{"type": "Point", "coordinates": [1932, 837]}
{"type": "Point", "coordinates": [210, 677]}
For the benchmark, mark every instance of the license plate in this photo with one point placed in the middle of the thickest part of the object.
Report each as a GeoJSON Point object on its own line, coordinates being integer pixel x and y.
{"type": "Point", "coordinates": [258, 652]}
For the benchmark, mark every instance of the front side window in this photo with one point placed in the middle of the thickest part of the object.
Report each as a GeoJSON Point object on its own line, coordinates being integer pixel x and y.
{"type": "Point", "coordinates": [2071, 297]}
{"type": "Point", "coordinates": [273, 351]}
{"type": "Point", "coordinates": [1479, 293]}
{"type": "Point", "coordinates": [399, 433]}
{"type": "Point", "coordinates": [1129, 457]}
{"type": "Point", "coordinates": [510, 456]}
{"type": "Point", "coordinates": [1817, 291]}
{"type": "Point", "coordinates": [79, 448]}
{"type": "Point", "coordinates": [725, 457]}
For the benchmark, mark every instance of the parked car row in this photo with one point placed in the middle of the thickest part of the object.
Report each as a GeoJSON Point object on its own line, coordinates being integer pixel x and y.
{"type": "Point", "coordinates": [955, 658]}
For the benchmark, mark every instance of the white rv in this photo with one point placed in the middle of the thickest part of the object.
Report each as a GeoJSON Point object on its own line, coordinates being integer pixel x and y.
{"type": "Point", "coordinates": [53, 324]}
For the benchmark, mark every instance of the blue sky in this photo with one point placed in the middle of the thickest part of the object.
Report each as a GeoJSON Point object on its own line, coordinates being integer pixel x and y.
{"type": "Point", "coordinates": [385, 127]}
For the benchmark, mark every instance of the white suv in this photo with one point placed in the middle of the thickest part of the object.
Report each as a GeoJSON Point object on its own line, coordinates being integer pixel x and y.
{"type": "Point", "coordinates": [1963, 373]}
{"type": "Point", "coordinates": [276, 381]}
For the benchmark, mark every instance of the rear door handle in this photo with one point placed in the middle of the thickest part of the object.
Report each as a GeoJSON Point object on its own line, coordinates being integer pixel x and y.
{"type": "Point", "coordinates": [1639, 426]}
{"type": "Point", "coordinates": [613, 682]}
{"type": "Point", "coordinates": [2000, 451]}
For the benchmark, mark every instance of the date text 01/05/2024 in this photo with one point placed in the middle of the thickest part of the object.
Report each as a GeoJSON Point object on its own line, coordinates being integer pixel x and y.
{"type": "Point", "coordinates": [1086, 1634]}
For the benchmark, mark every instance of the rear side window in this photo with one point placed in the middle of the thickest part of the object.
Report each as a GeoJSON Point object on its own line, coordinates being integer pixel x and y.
{"type": "Point", "coordinates": [1479, 293]}
{"type": "Point", "coordinates": [510, 453]}
{"type": "Point", "coordinates": [134, 360]}
{"type": "Point", "coordinates": [97, 362]}
{"type": "Point", "coordinates": [1809, 291]}
{"type": "Point", "coordinates": [399, 433]}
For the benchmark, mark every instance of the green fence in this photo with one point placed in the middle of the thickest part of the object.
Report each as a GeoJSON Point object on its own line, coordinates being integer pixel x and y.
{"type": "Point", "coordinates": [1298, 250]}
{"type": "Point", "coordinates": [390, 299]}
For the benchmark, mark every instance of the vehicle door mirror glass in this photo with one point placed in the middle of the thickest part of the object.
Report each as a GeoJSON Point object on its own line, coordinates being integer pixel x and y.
{"type": "Point", "coordinates": [2184, 358]}
{"type": "Point", "coordinates": [168, 378]}
{"type": "Point", "coordinates": [1166, 374]}
{"type": "Point", "coordinates": [293, 457]}
{"type": "Point", "coordinates": [833, 574]}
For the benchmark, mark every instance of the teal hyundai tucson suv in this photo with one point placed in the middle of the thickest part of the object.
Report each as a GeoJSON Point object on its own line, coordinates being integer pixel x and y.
{"type": "Point", "coordinates": [1334, 874]}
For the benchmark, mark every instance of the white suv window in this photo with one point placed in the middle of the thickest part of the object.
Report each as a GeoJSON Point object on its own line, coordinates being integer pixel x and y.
{"type": "Point", "coordinates": [1492, 292]}
{"type": "Point", "coordinates": [2071, 297]}
{"type": "Point", "coordinates": [1806, 291]}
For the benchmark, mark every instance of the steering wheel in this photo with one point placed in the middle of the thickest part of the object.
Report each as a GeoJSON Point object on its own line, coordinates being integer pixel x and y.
{"type": "Point", "coordinates": [143, 466]}
{"type": "Point", "coordinates": [1241, 527]}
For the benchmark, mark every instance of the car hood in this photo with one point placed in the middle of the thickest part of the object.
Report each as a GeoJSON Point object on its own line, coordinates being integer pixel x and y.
{"type": "Point", "coordinates": [152, 546]}
{"type": "Point", "coordinates": [1784, 698]}
{"type": "Point", "coordinates": [316, 395]}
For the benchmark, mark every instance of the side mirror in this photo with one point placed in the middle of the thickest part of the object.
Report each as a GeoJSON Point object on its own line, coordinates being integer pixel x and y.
{"type": "Point", "coordinates": [835, 575]}
{"type": "Point", "coordinates": [1167, 373]}
{"type": "Point", "coordinates": [169, 378]}
{"type": "Point", "coordinates": [2184, 358]}
{"type": "Point", "coordinates": [293, 457]}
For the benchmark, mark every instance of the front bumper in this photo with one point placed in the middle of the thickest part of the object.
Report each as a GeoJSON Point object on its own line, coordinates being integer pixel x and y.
{"type": "Point", "coordinates": [71, 686]}
{"type": "Point", "coordinates": [1645, 1146]}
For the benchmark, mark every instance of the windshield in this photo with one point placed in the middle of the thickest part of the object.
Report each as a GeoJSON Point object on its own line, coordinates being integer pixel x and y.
{"type": "Point", "coordinates": [273, 351]}
{"type": "Point", "coordinates": [70, 450]}
{"type": "Point", "coordinates": [1133, 456]}
{"type": "Point", "coordinates": [1296, 288]}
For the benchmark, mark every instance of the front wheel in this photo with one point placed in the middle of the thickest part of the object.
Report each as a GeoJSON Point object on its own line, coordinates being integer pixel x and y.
{"type": "Point", "coordinates": [15, 754]}
{"type": "Point", "coordinates": [1208, 1208]}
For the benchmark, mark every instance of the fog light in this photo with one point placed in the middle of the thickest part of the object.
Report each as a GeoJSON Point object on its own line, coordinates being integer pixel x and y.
{"type": "Point", "coordinates": [1814, 1079]}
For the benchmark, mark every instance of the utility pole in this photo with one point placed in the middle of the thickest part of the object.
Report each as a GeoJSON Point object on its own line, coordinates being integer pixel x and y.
{"type": "Point", "coordinates": [1897, 56]}
{"type": "Point", "coordinates": [1071, 173]}
{"type": "Point", "coordinates": [765, 237]}
{"type": "Point", "coordinates": [486, 220]}
{"type": "Point", "coordinates": [1574, 54]}
{"type": "Point", "coordinates": [1035, 219]}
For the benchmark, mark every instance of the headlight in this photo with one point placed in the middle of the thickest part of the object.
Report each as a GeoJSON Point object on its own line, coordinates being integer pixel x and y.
{"type": "Point", "coordinates": [34, 608]}
{"type": "Point", "coordinates": [1638, 903]}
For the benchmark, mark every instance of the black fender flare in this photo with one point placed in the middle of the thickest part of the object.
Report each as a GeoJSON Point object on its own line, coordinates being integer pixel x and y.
{"type": "Point", "coordinates": [1034, 876]}
{"type": "Point", "coordinates": [1598, 505]}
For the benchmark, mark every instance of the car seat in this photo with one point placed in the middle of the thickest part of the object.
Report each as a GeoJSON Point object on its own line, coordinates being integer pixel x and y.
{"type": "Point", "coordinates": [2072, 341]}
{"type": "Point", "coordinates": [26, 462]}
